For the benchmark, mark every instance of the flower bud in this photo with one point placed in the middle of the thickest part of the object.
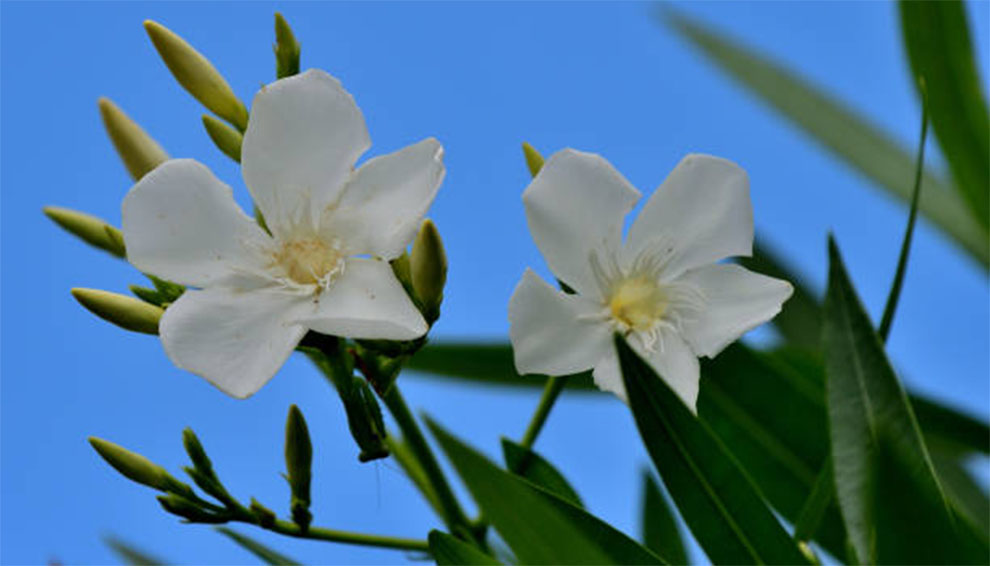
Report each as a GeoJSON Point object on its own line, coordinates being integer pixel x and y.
{"type": "Point", "coordinates": [196, 452]}
{"type": "Point", "coordinates": [428, 268]}
{"type": "Point", "coordinates": [226, 138]}
{"type": "Point", "coordinates": [139, 152]}
{"type": "Point", "coordinates": [178, 505]}
{"type": "Point", "coordinates": [197, 75]}
{"type": "Point", "coordinates": [126, 312]}
{"type": "Point", "coordinates": [298, 464]}
{"type": "Point", "coordinates": [286, 49]}
{"type": "Point", "coordinates": [533, 159]}
{"type": "Point", "coordinates": [371, 434]}
{"type": "Point", "coordinates": [133, 466]}
{"type": "Point", "coordinates": [89, 229]}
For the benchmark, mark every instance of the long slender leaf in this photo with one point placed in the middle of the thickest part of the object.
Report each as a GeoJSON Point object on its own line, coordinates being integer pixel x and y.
{"type": "Point", "coordinates": [538, 470]}
{"type": "Point", "coordinates": [451, 551]}
{"type": "Point", "coordinates": [263, 552]}
{"type": "Point", "coordinates": [540, 527]}
{"type": "Point", "coordinates": [130, 554]}
{"type": "Point", "coordinates": [716, 499]}
{"type": "Point", "coordinates": [660, 532]}
{"type": "Point", "coordinates": [936, 36]}
{"type": "Point", "coordinates": [852, 138]}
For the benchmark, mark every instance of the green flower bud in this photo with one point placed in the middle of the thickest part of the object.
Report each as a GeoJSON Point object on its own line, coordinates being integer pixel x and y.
{"type": "Point", "coordinates": [133, 466]}
{"type": "Point", "coordinates": [286, 49]}
{"type": "Point", "coordinates": [139, 152]}
{"type": "Point", "coordinates": [126, 312]}
{"type": "Point", "coordinates": [226, 138]}
{"type": "Point", "coordinates": [178, 505]}
{"type": "Point", "coordinates": [89, 229]}
{"type": "Point", "coordinates": [196, 452]}
{"type": "Point", "coordinates": [197, 75]}
{"type": "Point", "coordinates": [428, 268]}
{"type": "Point", "coordinates": [371, 433]}
{"type": "Point", "coordinates": [299, 463]}
{"type": "Point", "coordinates": [533, 159]}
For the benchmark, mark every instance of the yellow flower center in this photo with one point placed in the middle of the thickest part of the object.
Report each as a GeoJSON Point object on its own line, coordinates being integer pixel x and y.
{"type": "Point", "coordinates": [638, 303]}
{"type": "Point", "coordinates": [310, 261]}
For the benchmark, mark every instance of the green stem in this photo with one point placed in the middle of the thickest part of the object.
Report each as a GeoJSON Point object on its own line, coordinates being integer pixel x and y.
{"type": "Point", "coordinates": [319, 533]}
{"type": "Point", "coordinates": [550, 393]}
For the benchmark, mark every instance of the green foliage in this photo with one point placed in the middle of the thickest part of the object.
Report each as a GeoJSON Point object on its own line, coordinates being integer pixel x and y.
{"type": "Point", "coordinates": [659, 526]}
{"type": "Point", "coordinates": [451, 551]}
{"type": "Point", "coordinates": [263, 552]}
{"type": "Point", "coordinates": [530, 465]}
{"type": "Point", "coordinates": [130, 554]}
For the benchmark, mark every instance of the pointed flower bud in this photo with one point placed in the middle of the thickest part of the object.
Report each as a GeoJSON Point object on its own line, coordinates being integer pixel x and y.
{"type": "Point", "coordinates": [139, 152]}
{"type": "Point", "coordinates": [197, 75]}
{"type": "Point", "coordinates": [533, 159]}
{"type": "Point", "coordinates": [286, 49]}
{"type": "Point", "coordinates": [298, 464]}
{"type": "Point", "coordinates": [89, 229]}
{"type": "Point", "coordinates": [226, 138]}
{"type": "Point", "coordinates": [371, 433]}
{"type": "Point", "coordinates": [178, 505]}
{"type": "Point", "coordinates": [196, 452]}
{"type": "Point", "coordinates": [428, 267]}
{"type": "Point", "coordinates": [131, 465]}
{"type": "Point", "coordinates": [126, 312]}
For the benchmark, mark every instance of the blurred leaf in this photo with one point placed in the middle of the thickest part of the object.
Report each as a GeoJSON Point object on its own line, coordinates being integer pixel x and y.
{"type": "Point", "coordinates": [962, 489]}
{"type": "Point", "coordinates": [402, 454]}
{"type": "Point", "coordinates": [816, 504]}
{"type": "Point", "coordinates": [867, 407]}
{"type": "Point", "coordinates": [950, 428]}
{"type": "Point", "coordinates": [130, 554]}
{"type": "Point", "coordinates": [936, 35]}
{"type": "Point", "coordinates": [800, 320]}
{"type": "Point", "coordinates": [540, 527]}
{"type": "Point", "coordinates": [660, 532]}
{"type": "Point", "coordinates": [539, 471]}
{"type": "Point", "coordinates": [849, 136]}
{"type": "Point", "coordinates": [716, 499]}
{"type": "Point", "coordinates": [450, 551]}
{"type": "Point", "coordinates": [266, 554]}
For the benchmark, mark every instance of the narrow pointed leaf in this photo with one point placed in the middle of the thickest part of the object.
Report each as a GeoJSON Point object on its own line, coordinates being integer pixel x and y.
{"type": "Point", "coordinates": [716, 499]}
{"type": "Point", "coordinates": [538, 470]}
{"type": "Point", "coordinates": [967, 496]}
{"type": "Point", "coordinates": [130, 554]}
{"type": "Point", "coordinates": [263, 552]}
{"type": "Point", "coordinates": [451, 551]}
{"type": "Point", "coordinates": [863, 146]}
{"type": "Point", "coordinates": [660, 532]}
{"type": "Point", "coordinates": [538, 526]}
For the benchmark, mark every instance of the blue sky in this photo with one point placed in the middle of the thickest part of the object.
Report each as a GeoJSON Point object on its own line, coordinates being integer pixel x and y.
{"type": "Point", "coordinates": [482, 78]}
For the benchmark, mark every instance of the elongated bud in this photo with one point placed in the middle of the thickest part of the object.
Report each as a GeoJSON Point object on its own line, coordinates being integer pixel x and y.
{"type": "Point", "coordinates": [188, 510]}
{"type": "Point", "coordinates": [131, 465]}
{"type": "Point", "coordinates": [299, 464]}
{"type": "Point", "coordinates": [196, 452]}
{"type": "Point", "coordinates": [287, 49]}
{"type": "Point", "coordinates": [89, 229]}
{"type": "Point", "coordinates": [533, 159]}
{"type": "Point", "coordinates": [139, 152]}
{"type": "Point", "coordinates": [226, 138]}
{"type": "Point", "coordinates": [126, 312]}
{"type": "Point", "coordinates": [197, 75]}
{"type": "Point", "coordinates": [372, 434]}
{"type": "Point", "coordinates": [428, 268]}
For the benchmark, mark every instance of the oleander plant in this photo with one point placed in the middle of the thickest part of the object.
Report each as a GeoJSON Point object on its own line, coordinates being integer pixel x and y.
{"type": "Point", "coordinates": [806, 451]}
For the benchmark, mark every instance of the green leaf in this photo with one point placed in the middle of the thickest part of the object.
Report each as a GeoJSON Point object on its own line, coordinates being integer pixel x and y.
{"type": "Point", "coordinates": [482, 362]}
{"type": "Point", "coordinates": [963, 490]}
{"type": "Point", "coordinates": [450, 551]}
{"type": "Point", "coordinates": [860, 144]}
{"type": "Point", "coordinates": [949, 428]}
{"type": "Point", "coordinates": [538, 470]}
{"type": "Point", "coordinates": [538, 526]}
{"type": "Point", "coordinates": [716, 499]}
{"type": "Point", "coordinates": [936, 35]}
{"type": "Point", "coordinates": [660, 532]}
{"type": "Point", "coordinates": [865, 401]}
{"type": "Point", "coordinates": [266, 554]}
{"type": "Point", "coordinates": [130, 554]}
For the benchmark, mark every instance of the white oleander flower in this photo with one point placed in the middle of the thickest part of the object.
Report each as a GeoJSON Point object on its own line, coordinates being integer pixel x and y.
{"type": "Point", "coordinates": [661, 288]}
{"type": "Point", "coordinates": [323, 267]}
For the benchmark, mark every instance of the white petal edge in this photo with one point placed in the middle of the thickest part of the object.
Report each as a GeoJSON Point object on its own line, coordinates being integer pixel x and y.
{"type": "Point", "coordinates": [575, 206]}
{"type": "Point", "coordinates": [236, 340]}
{"type": "Point", "coordinates": [382, 205]}
{"type": "Point", "coordinates": [702, 210]}
{"type": "Point", "coordinates": [181, 223]}
{"type": "Point", "coordinates": [367, 301]}
{"type": "Point", "coordinates": [553, 333]}
{"type": "Point", "coordinates": [303, 138]}
{"type": "Point", "coordinates": [738, 300]}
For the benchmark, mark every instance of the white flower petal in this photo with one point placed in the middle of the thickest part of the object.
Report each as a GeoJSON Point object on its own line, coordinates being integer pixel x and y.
{"type": "Point", "coordinates": [702, 210]}
{"type": "Point", "coordinates": [182, 224]}
{"type": "Point", "coordinates": [553, 333]}
{"type": "Point", "coordinates": [382, 205]}
{"type": "Point", "coordinates": [737, 301]}
{"type": "Point", "coordinates": [576, 206]}
{"type": "Point", "coordinates": [236, 340]}
{"type": "Point", "coordinates": [367, 301]}
{"type": "Point", "coordinates": [675, 363]}
{"type": "Point", "coordinates": [303, 138]}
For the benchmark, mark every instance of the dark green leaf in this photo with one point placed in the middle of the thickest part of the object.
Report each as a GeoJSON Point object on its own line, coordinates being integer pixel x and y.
{"type": "Point", "coordinates": [816, 505]}
{"type": "Point", "coordinates": [530, 465]}
{"type": "Point", "coordinates": [949, 428]}
{"type": "Point", "coordinates": [660, 532]}
{"type": "Point", "coordinates": [266, 554]}
{"type": "Point", "coordinates": [538, 526]}
{"type": "Point", "coordinates": [130, 554]}
{"type": "Point", "coordinates": [450, 551]}
{"type": "Point", "coordinates": [963, 490]}
{"type": "Point", "coordinates": [849, 136]}
{"type": "Point", "coordinates": [936, 36]}
{"type": "Point", "coordinates": [716, 499]}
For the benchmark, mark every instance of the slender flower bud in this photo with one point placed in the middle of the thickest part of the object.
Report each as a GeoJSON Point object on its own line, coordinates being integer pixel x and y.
{"type": "Point", "coordinates": [428, 267]}
{"type": "Point", "coordinates": [196, 452]}
{"type": "Point", "coordinates": [178, 505]}
{"type": "Point", "coordinates": [298, 464]}
{"type": "Point", "coordinates": [371, 434]}
{"type": "Point", "coordinates": [197, 75]}
{"type": "Point", "coordinates": [89, 229]}
{"type": "Point", "coordinates": [286, 49]}
{"type": "Point", "coordinates": [533, 159]}
{"type": "Point", "coordinates": [139, 152]}
{"type": "Point", "coordinates": [226, 138]}
{"type": "Point", "coordinates": [131, 465]}
{"type": "Point", "coordinates": [126, 312]}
